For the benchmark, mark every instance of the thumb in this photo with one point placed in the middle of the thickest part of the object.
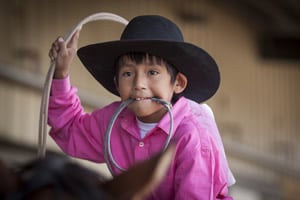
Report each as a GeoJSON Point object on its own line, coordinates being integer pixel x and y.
{"type": "Point", "coordinates": [61, 44]}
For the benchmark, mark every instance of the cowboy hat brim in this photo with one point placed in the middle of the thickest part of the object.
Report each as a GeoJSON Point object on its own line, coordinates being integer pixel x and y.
{"type": "Point", "coordinates": [196, 64]}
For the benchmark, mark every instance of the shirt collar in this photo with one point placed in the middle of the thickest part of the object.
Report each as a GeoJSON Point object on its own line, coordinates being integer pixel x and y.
{"type": "Point", "coordinates": [179, 111]}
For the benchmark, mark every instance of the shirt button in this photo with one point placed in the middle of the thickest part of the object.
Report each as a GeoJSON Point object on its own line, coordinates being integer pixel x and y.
{"type": "Point", "coordinates": [141, 144]}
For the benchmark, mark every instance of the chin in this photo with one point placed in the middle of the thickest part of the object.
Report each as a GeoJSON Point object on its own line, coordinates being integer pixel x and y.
{"type": "Point", "coordinates": [150, 115]}
{"type": "Point", "coordinates": [141, 113]}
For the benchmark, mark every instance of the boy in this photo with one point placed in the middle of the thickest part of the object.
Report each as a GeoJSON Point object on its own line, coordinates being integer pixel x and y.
{"type": "Point", "coordinates": [151, 60]}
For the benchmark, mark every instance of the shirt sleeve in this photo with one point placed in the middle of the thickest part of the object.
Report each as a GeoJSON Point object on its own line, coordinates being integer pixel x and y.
{"type": "Point", "coordinates": [75, 132]}
{"type": "Point", "coordinates": [206, 117]}
{"type": "Point", "coordinates": [200, 172]}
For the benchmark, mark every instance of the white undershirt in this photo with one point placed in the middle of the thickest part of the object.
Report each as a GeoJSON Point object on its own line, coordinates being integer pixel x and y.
{"type": "Point", "coordinates": [145, 127]}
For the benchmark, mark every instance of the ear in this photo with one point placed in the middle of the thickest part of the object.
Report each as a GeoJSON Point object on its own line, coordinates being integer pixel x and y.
{"type": "Point", "coordinates": [141, 179]}
{"type": "Point", "coordinates": [180, 83]}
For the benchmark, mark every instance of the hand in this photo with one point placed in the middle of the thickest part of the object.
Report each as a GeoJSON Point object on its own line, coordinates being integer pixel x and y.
{"type": "Point", "coordinates": [62, 54]}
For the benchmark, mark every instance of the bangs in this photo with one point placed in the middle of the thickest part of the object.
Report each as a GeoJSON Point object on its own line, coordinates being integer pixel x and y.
{"type": "Point", "coordinates": [139, 58]}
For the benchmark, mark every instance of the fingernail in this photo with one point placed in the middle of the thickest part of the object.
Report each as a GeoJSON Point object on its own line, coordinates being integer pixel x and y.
{"type": "Point", "coordinates": [60, 39]}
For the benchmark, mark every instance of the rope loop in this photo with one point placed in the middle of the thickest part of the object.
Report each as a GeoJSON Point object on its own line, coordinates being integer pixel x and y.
{"type": "Point", "coordinates": [109, 159]}
{"type": "Point", "coordinates": [42, 137]}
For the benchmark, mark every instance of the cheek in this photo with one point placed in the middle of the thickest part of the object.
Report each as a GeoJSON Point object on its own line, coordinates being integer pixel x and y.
{"type": "Point", "coordinates": [123, 90]}
{"type": "Point", "coordinates": [165, 90]}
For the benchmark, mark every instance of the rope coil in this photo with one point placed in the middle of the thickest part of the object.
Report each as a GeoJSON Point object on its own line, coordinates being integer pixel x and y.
{"type": "Point", "coordinates": [42, 137]}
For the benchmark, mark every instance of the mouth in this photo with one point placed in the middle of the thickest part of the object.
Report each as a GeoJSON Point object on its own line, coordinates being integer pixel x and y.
{"type": "Point", "coordinates": [168, 105]}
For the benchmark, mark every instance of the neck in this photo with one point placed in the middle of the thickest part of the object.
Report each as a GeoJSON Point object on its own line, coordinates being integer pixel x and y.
{"type": "Point", "coordinates": [154, 117]}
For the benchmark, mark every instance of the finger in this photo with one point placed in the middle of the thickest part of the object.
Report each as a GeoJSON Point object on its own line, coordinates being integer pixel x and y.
{"type": "Point", "coordinates": [53, 54]}
{"type": "Point", "coordinates": [55, 49]}
{"type": "Point", "coordinates": [56, 43]}
{"type": "Point", "coordinates": [62, 47]}
{"type": "Point", "coordinates": [50, 55]}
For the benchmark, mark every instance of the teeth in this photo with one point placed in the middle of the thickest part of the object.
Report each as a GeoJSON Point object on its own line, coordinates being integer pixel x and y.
{"type": "Point", "coordinates": [140, 98]}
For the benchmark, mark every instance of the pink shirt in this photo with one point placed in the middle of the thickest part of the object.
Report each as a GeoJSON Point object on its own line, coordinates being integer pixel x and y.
{"type": "Point", "coordinates": [198, 170]}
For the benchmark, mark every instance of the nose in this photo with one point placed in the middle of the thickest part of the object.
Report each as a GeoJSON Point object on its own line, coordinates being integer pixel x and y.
{"type": "Point", "coordinates": [140, 81]}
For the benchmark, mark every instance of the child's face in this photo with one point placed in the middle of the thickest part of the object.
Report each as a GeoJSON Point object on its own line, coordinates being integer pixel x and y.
{"type": "Point", "coordinates": [141, 82]}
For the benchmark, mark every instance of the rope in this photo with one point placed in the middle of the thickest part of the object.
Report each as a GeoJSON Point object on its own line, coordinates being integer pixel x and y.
{"type": "Point", "coordinates": [42, 137]}
{"type": "Point", "coordinates": [108, 154]}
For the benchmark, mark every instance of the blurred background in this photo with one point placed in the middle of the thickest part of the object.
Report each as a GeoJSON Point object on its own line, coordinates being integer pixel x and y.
{"type": "Point", "coordinates": [255, 43]}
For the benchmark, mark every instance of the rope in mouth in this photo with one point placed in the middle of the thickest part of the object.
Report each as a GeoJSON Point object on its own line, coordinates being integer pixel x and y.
{"type": "Point", "coordinates": [107, 146]}
{"type": "Point", "coordinates": [142, 98]}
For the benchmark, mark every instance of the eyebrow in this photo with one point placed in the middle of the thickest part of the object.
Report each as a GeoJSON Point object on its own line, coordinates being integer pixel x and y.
{"type": "Point", "coordinates": [148, 64]}
{"type": "Point", "coordinates": [126, 65]}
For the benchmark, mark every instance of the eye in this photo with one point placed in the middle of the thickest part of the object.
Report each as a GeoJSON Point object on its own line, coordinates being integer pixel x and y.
{"type": "Point", "coordinates": [126, 74]}
{"type": "Point", "coordinates": [153, 72]}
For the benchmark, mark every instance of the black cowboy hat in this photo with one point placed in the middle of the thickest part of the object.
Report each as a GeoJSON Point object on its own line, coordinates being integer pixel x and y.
{"type": "Point", "coordinates": [157, 36]}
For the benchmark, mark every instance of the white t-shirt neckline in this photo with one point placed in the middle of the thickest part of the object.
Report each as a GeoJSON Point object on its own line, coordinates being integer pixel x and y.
{"type": "Point", "coordinates": [145, 127]}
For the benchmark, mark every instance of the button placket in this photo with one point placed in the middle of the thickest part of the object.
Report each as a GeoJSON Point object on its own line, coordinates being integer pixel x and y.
{"type": "Point", "coordinates": [141, 150]}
